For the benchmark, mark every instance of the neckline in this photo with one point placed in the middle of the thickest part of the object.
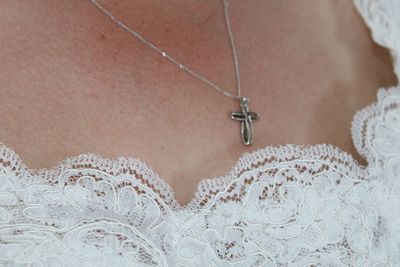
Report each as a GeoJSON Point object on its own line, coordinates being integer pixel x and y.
{"type": "Point", "coordinates": [246, 161]}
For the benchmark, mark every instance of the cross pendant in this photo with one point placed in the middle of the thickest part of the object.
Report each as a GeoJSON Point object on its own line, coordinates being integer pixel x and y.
{"type": "Point", "coordinates": [246, 118]}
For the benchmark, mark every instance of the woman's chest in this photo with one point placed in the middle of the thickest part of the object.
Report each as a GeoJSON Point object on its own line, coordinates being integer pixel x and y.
{"type": "Point", "coordinates": [72, 99]}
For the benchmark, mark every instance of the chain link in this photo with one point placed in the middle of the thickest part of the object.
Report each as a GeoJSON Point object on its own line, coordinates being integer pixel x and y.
{"type": "Point", "coordinates": [177, 63]}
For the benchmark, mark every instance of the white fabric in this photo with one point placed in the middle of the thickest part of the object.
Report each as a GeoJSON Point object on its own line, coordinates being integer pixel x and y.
{"type": "Point", "coordinates": [278, 206]}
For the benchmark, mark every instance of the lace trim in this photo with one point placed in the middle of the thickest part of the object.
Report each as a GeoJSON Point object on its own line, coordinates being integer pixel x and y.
{"type": "Point", "coordinates": [362, 126]}
{"type": "Point", "coordinates": [208, 188]}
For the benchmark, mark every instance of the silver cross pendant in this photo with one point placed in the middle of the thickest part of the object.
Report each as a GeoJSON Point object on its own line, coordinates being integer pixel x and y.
{"type": "Point", "coordinates": [246, 118]}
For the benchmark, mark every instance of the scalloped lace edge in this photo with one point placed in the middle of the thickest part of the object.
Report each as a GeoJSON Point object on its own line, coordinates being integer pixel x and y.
{"type": "Point", "coordinates": [283, 153]}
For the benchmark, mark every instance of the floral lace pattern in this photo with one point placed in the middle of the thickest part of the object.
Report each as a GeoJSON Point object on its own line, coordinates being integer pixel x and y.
{"type": "Point", "coordinates": [277, 206]}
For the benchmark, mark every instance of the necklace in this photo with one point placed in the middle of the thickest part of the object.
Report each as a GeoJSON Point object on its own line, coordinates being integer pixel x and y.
{"type": "Point", "coordinates": [245, 116]}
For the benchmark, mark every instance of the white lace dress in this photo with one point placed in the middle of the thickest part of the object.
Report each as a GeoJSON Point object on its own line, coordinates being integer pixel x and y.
{"type": "Point", "coordinates": [278, 206]}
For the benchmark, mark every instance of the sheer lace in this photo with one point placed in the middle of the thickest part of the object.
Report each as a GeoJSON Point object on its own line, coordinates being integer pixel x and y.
{"type": "Point", "coordinates": [277, 206]}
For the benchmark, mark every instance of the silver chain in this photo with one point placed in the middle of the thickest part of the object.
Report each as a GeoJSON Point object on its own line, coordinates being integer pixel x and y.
{"type": "Point", "coordinates": [177, 63]}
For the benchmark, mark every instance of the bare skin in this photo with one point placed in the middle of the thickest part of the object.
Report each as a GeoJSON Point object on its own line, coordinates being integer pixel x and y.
{"type": "Point", "coordinates": [72, 82]}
